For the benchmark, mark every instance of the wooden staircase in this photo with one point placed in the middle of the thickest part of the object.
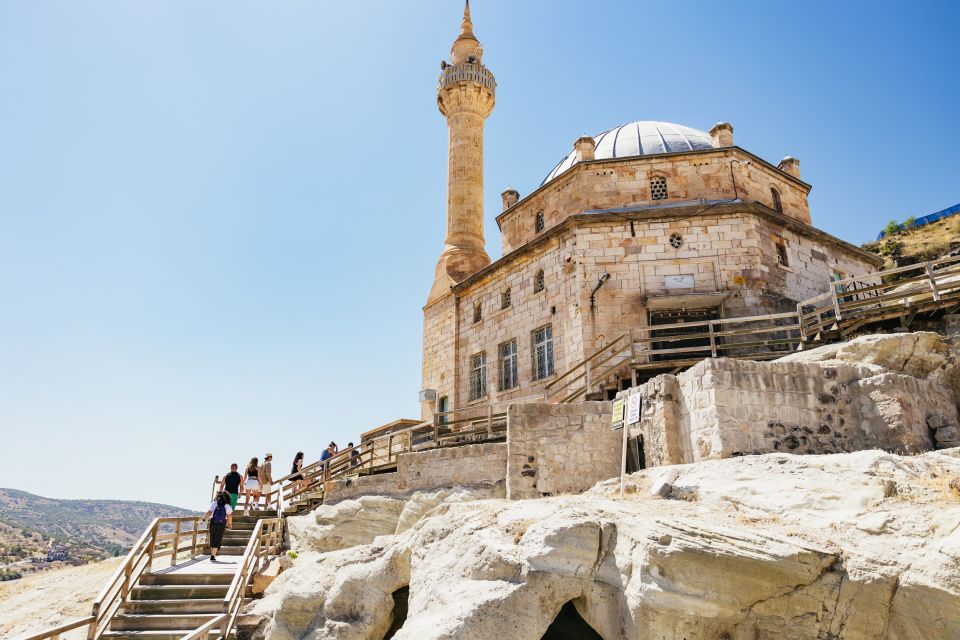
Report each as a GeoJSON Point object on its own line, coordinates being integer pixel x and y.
{"type": "Point", "coordinates": [851, 305]}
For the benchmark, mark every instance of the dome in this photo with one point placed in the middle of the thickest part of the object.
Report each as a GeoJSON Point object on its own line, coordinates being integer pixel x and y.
{"type": "Point", "coordinates": [641, 138]}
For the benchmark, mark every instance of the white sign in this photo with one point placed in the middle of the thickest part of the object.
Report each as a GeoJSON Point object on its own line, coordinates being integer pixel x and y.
{"type": "Point", "coordinates": [633, 408]}
{"type": "Point", "coordinates": [679, 282]}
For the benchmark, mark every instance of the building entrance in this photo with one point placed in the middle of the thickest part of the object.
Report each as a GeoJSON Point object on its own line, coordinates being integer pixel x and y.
{"type": "Point", "coordinates": [691, 345]}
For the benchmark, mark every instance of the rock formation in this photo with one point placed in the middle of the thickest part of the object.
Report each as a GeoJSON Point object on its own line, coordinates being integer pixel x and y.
{"type": "Point", "coordinates": [845, 546]}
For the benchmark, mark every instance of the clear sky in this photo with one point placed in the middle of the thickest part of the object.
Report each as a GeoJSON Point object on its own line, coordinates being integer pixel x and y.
{"type": "Point", "coordinates": [219, 220]}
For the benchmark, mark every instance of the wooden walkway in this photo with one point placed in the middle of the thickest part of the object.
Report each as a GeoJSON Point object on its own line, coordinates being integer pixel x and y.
{"type": "Point", "coordinates": [853, 304]}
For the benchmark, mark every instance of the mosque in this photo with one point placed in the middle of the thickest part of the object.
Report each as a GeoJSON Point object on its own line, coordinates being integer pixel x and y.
{"type": "Point", "coordinates": [645, 224]}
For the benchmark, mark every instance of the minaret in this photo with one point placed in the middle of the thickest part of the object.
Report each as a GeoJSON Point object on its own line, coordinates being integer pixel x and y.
{"type": "Point", "coordinates": [465, 96]}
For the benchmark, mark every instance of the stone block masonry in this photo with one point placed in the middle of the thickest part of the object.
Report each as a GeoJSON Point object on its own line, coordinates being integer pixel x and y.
{"type": "Point", "coordinates": [722, 408]}
{"type": "Point", "coordinates": [554, 449]}
{"type": "Point", "coordinates": [466, 466]}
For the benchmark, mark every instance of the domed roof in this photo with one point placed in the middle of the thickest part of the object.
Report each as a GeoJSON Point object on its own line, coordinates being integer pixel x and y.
{"type": "Point", "coordinates": [641, 138]}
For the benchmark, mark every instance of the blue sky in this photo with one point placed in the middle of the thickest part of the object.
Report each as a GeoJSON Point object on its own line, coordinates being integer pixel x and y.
{"type": "Point", "coordinates": [219, 220]}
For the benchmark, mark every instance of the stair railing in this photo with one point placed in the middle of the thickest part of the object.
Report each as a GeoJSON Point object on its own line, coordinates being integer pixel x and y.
{"type": "Point", "coordinates": [266, 540]}
{"type": "Point", "coordinates": [566, 386]}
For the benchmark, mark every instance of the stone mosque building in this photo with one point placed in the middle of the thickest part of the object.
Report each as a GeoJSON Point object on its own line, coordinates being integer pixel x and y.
{"type": "Point", "coordinates": [644, 224]}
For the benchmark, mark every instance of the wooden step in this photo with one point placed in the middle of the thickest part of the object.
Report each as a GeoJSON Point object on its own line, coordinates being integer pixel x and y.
{"type": "Point", "coordinates": [164, 634]}
{"type": "Point", "coordinates": [159, 622]}
{"type": "Point", "coordinates": [178, 592]}
{"type": "Point", "coordinates": [200, 605]}
{"type": "Point", "coordinates": [232, 550]}
{"type": "Point", "coordinates": [181, 578]}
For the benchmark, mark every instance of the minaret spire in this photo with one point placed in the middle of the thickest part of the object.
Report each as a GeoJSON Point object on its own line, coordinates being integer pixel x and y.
{"type": "Point", "coordinates": [465, 97]}
{"type": "Point", "coordinates": [467, 26]}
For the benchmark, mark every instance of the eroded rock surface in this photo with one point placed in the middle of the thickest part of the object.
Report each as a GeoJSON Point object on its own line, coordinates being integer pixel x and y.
{"type": "Point", "coordinates": [846, 546]}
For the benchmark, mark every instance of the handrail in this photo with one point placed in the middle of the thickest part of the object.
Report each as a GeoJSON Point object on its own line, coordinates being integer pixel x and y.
{"type": "Point", "coordinates": [54, 632]}
{"type": "Point", "coordinates": [201, 632]}
{"type": "Point", "coordinates": [253, 553]}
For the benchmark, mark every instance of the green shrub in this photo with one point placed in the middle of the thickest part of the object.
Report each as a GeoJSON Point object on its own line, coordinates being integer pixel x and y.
{"type": "Point", "coordinates": [892, 228]}
{"type": "Point", "coordinates": [910, 223]}
{"type": "Point", "coordinates": [292, 555]}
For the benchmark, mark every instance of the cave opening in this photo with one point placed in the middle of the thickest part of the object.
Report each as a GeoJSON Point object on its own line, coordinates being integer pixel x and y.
{"type": "Point", "coordinates": [570, 625]}
{"type": "Point", "coordinates": [401, 599]}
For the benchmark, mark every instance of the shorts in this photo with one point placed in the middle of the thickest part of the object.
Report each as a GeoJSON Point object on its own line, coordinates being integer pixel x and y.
{"type": "Point", "coordinates": [233, 500]}
{"type": "Point", "coordinates": [252, 484]}
{"type": "Point", "coordinates": [266, 488]}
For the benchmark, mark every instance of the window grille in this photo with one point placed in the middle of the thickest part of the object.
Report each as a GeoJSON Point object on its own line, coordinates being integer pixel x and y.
{"type": "Point", "coordinates": [478, 375]}
{"type": "Point", "coordinates": [538, 282]}
{"type": "Point", "coordinates": [538, 222]}
{"type": "Point", "coordinates": [782, 257]}
{"type": "Point", "coordinates": [658, 188]}
{"type": "Point", "coordinates": [507, 355]}
{"type": "Point", "coordinates": [477, 313]}
{"type": "Point", "coordinates": [676, 240]}
{"type": "Point", "coordinates": [505, 300]}
{"type": "Point", "coordinates": [543, 352]}
{"type": "Point", "coordinates": [775, 195]}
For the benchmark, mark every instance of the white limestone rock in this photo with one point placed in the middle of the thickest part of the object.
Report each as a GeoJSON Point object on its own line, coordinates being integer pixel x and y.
{"type": "Point", "coordinates": [920, 354]}
{"type": "Point", "coordinates": [361, 520]}
{"type": "Point", "coordinates": [771, 546]}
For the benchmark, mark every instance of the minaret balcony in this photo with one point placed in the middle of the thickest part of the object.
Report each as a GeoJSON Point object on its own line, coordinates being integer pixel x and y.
{"type": "Point", "coordinates": [467, 72]}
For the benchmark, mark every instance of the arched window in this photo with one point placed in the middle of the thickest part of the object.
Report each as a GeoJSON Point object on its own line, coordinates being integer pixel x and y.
{"type": "Point", "coordinates": [538, 222]}
{"type": "Point", "coordinates": [775, 196]}
{"type": "Point", "coordinates": [538, 283]}
{"type": "Point", "coordinates": [658, 188]}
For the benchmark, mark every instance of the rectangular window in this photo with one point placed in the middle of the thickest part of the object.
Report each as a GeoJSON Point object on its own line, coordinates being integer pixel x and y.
{"type": "Point", "coordinates": [837, 275]}
{"type": "Point", "coordinates": [782, 258]}
{"type": "Point", "coordinates": [543, 352]}
{"type": "Point", "coordinates": [505, 300]}
{"type": "Point", "coordinates": [478, 375]}
{"type": "Point", "coordinates": [507, 356]}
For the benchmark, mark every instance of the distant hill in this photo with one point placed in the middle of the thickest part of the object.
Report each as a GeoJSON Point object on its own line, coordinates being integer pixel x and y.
{"type": "Point", "coordinates": [87, 529]}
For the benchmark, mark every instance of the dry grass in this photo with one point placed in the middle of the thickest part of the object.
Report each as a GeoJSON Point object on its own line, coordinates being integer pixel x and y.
{"type": "Point", "coordinates": [924, 243]}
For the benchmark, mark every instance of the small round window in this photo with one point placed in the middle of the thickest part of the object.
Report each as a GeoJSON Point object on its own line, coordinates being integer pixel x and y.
{"type": "Point", "coordinates": [676, 240]}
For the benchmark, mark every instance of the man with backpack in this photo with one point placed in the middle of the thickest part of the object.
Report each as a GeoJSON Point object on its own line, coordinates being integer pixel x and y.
{"type": "Point", "coordinates": [220, 515]}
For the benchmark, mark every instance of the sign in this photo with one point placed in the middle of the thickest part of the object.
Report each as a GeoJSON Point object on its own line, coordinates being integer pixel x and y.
{"type": "Point", "coordinates": [739, 280]}
{"type": "Point", "coordinates": [678, 282]}
{"type": "Point", "coordinates": [616, 422]}
{"type": "Point", "coordinates": [633, 408]}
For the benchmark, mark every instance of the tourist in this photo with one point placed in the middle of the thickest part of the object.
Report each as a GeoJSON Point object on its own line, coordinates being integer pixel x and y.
{"type": "Point", "coordinates": [328, 453]}
{"type": "Point", "coordinates": [297, 471]}
{"type": "Point", "coordinates": [354, 455]}
{"type": "Point", "coordinates": [266, 479]}
{"type": "Point", "coordinates": [252, 485]}
{"type": "Point", "coordinates": [220, 515]}
{"type": "Point", "coordinates": [231, 484]}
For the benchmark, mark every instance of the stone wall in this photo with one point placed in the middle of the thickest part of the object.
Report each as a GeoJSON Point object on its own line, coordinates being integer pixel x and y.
{"type": "Point", "coordinates": [466, 466]}
{"type": "Point", "coordinates": [605, 184]}
{"type": "Point", "coordinates": [723, 407]}
{"type": "Point", "coordinates": [439, 352]}
{"type": "Point", "coordinates": [554, 449]}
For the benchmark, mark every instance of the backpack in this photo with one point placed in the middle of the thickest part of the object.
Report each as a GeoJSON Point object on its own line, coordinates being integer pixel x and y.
{"type": "Point", "coordinates": [219, 514]}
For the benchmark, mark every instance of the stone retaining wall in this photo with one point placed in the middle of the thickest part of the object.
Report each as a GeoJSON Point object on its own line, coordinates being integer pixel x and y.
{"type": "Point", "coordinates": [469, 465]}
{"type": "Point", "coordinates": [559, 448]}
{"type": "Point", "coordinates": [723, 407]}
